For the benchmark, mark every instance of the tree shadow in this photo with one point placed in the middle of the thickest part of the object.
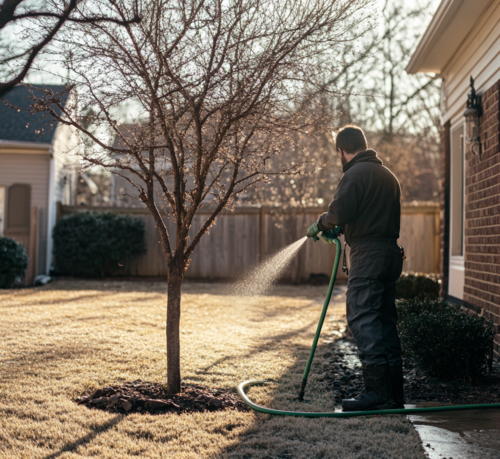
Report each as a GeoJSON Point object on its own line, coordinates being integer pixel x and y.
{"type": "Point", "coordinates": [268, 342]}
{"type": "Point", "coordinates": [97, 430]}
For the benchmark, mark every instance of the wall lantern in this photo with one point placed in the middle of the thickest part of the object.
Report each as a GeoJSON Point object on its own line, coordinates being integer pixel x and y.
{"type": "Point", "coordinates": [472, 114]}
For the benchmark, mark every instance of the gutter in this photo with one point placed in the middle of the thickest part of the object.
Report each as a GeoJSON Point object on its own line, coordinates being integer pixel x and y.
{"type": "Point", "coordinates": [13, 146]}
{"type": "Point", "coordinates": [439, 22]}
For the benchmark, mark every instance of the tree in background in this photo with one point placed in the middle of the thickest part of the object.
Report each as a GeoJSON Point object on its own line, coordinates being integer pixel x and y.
{"type": "Point", "coordinates": [15, 63]}
{"type": "Point", "coordinates": [219, 89]}
{"type": "Point", "coordinates": [399, 113]}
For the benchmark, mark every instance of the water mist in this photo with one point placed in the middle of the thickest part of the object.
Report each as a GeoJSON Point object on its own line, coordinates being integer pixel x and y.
{"type": "Point", "coordinates": [260, 280]}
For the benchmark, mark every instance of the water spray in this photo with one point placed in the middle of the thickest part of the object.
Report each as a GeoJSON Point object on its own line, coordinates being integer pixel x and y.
{"type": "Point", "coordinates": [337, 414]}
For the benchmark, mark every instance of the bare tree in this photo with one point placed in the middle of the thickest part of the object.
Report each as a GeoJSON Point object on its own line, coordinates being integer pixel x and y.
{"type": "Point", "coordinates": [58, 12]}
{"type": "Point", "coordinates": [315, 183]}
{"type": "Point", "coordinates": [399, 113]}
{"type": "Point", "coordinates": [218, 89]}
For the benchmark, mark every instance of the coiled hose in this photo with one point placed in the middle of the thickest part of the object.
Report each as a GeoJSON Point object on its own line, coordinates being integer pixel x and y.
{"type": "Point", "coordinates": [338, 414]}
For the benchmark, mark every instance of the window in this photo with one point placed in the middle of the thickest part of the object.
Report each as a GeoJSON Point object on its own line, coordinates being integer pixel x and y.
{"type": "Point", "coordinates": [457, 192]}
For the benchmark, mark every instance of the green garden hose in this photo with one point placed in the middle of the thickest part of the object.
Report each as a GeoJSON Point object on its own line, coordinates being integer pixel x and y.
{"type": "Point", "coordinates": [339, 414]}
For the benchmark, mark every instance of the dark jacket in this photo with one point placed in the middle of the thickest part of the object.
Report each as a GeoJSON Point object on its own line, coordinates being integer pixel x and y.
{"type": "Point", "coordinates": [367, 202]}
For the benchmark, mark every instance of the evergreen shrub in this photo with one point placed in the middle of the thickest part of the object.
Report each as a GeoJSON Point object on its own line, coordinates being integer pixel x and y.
{"type": "Point", "coordinates": [445, 341]}
{"type": "Point", "coordinates": [13, 262]}
{"type": "Point", "coordinates": [415, 285]}
{"type": "Point", "coordinates": [96, 244]}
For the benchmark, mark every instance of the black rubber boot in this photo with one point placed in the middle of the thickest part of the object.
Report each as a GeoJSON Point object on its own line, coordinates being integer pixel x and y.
{"type": "Point", "coordinates": [378, 391]}
{"type": "Point", "coordinates": [397, 382]}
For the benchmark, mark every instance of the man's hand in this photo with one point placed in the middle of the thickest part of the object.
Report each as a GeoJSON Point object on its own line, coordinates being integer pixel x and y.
{"type": "Point", "coordinates": [313, 231]}
{"type": "Point", "coordinates": [328, 237]}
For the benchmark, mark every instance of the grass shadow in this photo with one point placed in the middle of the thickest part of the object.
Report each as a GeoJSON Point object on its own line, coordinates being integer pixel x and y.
{"type": "Point", "coordinates": [35, 361]}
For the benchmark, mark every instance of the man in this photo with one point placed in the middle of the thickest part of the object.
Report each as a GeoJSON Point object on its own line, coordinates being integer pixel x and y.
{"type": "Point", "coordinates": [367, 204]}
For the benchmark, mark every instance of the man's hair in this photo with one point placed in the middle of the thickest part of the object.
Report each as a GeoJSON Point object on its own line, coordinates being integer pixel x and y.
{"type": "Point", "coordinates": [351, 139]}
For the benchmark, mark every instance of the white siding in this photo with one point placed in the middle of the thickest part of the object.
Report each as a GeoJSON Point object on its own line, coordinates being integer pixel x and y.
{"type": "Point", "coordinates": [64, 166]}
{"type": "Point", "coordinates": [32, 169]}
{"type": "Point", "coordinates": [66, 149]}
{"type": "Point", "coordinates": [479, 56]}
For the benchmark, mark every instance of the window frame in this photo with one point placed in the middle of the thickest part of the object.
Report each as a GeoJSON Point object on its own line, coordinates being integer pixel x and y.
{"type": "Point", "coordinates": [456, 279]}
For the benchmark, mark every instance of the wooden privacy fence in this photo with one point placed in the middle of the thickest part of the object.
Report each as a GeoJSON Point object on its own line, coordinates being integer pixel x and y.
{"type": "Point", "coordinates": [240, 239]}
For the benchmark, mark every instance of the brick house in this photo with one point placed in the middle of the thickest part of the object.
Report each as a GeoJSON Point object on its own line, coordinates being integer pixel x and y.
{"type": "Point", "coordinates": [35, 173]}
{"type": "Point", "coordinates": [463, 40]}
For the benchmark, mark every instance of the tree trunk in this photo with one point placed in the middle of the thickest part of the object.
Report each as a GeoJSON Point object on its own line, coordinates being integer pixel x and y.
{"type": "Point", "coordinates": [175, 279]}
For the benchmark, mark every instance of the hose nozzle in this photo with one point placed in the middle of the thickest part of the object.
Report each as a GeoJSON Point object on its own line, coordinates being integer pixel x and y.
{"type": "Point", "coordinates": [313, 232]}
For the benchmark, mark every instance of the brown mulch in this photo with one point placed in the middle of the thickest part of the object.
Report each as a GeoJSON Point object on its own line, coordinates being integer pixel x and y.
{"type": "Point", "coordinates": [145, 397]}
{"type": "Point", "coordinates": [343, 378]}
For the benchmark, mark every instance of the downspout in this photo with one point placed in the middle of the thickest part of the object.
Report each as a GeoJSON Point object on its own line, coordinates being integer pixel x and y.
{"type": "Point", "coordinates": [51, 213]}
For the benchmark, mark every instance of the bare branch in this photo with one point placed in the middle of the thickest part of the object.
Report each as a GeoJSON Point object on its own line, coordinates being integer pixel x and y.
{"type": "Point", "coordinates": [7, 16]}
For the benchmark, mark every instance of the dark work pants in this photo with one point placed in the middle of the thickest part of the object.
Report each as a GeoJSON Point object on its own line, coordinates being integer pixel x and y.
{"type": "Point", "coordinates": [376, 265]}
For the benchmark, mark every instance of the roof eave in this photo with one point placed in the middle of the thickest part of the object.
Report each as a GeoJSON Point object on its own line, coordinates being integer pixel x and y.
{"type": "Point", "coordinates": [14, 144]}
{"type": "Point", "coordinates": [448, 29]}
{"type": "Point", "coordinates": [415, 64]}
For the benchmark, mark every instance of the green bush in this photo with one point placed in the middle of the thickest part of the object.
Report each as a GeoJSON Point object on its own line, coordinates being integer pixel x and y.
{"type": "Point", "coordinates": [13, 262]}
{"type": "Point", "coordinates": [417, 285]}
{"type": "Point", "coordinates": [446, 342]}
{"type": "Point", "coordinates": [91, 244]}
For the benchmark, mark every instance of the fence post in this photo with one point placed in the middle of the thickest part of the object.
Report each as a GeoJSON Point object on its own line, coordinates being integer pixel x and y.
{"type": "Point", "coordinates": [262, 234]}
{"type": "Point", "coordinates": [437, 228]}
{"type": "Point", "coordinates": [33, 246]}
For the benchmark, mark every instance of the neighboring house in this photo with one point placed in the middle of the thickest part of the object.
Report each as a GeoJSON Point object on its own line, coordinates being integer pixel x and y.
{"type": "Point", "coordinates": [463, 40]}
{"type": "Point", "coordinates": [37, 169]}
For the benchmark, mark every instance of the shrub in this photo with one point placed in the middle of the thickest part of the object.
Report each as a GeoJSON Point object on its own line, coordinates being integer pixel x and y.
{"type": "Point", "coordinates": [446, 342]}
{"type": "Point", "coordinates": [13, 262]}
{"type": "Point", "coordinates": [88, 244]}
{"type": "Point", "coordinates": [417, 285]}
{"type": "Point", "coordinates": [417, 306]}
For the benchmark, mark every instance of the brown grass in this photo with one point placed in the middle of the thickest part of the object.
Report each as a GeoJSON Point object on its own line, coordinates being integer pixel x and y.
{"type": "Point", "coordinates": [72, 336]}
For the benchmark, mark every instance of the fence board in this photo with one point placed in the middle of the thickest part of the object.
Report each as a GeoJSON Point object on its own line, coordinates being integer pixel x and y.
{"type": "Point", "coordinates": [240, 239]}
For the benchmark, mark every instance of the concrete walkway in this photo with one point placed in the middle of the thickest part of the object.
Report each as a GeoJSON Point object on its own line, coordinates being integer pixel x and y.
{"type": "Point", "coordinates": [459, 434]}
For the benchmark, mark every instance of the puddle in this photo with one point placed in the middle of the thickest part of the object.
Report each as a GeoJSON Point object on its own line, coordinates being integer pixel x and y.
{"type": "Point", "coordinates": [458, 434]}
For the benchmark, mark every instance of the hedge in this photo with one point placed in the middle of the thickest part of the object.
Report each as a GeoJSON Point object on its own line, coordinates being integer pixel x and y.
{"type": "Point", "coordinates": [419, 285]}
{"type": "Point", "coordinates": [13, 262]}
{"type": "Point", "coordinates": [445, 341]}
{"type": "Point", "coordinates": [96, 244]}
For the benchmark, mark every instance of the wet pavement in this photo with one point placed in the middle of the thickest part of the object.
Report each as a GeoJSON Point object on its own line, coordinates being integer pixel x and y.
{"type": "Point", "coordinates": [458, 434]}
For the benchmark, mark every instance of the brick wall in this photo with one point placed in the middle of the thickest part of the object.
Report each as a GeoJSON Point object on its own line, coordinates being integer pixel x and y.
{"type": "Point", "coordinates": [444, 211]}
{"type": "Point", "coordinates": [482, 217]}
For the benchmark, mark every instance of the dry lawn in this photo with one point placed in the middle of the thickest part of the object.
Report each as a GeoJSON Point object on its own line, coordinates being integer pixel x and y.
{"type": "Point", "coordinates": [69, 337]}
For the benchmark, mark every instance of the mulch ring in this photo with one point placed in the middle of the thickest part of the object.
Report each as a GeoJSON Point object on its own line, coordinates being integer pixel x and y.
{"type": "Point", "coordinates": [145, 397]}
{"type": "Point", "coordinates": [343, 378]}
